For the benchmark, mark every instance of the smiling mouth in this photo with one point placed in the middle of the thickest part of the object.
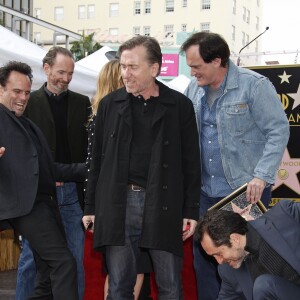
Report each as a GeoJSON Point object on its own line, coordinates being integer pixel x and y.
{"type": "Point", "coordinates": [20, 105]}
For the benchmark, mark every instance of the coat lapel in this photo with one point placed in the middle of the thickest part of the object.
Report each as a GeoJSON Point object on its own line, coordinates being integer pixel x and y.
{"type": "Point", "coordinates": [274, 238]}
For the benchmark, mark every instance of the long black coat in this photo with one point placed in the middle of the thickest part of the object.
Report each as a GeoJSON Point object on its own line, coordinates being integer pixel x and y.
{"type": "Point", "coordinates": [173, 186]}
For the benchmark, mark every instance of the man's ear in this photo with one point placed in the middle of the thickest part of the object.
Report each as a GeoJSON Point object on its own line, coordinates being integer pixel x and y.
{"type": "Point", "coordinates": [217, 62]}
{"type": "Point", "coordinates": [154, 70]}
{"type": "Point", "coordinates": [46, 68]}
{"type": "Point", "coordinates": [235, 239]}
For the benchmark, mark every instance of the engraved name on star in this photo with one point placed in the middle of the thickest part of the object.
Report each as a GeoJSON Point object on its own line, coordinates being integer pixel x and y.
{"type": "Point", "coordinates": [296, 97]}
{"type": "Point", "coordinates": [287, 173]}
{"type": "Point", "coordinates": [284, 77]}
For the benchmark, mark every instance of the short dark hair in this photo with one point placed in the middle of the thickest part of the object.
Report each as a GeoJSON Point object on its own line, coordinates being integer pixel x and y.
{"type": "Point", "coordinates": [219, 225]}
{"type": "Point", "coordinates": [153, 49]}
{"type": "Point", "coordinates": [211, 46]}
{"type": "Point", "coordinates": [52, 53]}
{"type": "Point", "coordinates": [16, 66]}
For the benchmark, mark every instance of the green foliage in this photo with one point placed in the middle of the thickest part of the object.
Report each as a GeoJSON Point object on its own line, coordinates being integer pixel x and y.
{"type": "Point", "coordinates": [85, 46]}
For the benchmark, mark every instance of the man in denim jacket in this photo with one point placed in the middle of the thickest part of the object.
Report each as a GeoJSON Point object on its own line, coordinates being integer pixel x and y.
{"type": "Point", "coordinates": [243, 132]}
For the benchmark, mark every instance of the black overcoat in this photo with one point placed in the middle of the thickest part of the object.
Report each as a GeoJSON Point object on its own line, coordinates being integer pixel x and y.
{"type": "Point", "coordinates": [173, 186]}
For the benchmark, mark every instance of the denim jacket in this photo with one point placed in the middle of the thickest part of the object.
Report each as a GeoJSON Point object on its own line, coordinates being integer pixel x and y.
{"type": "Point", "coordinates": [252, 126]}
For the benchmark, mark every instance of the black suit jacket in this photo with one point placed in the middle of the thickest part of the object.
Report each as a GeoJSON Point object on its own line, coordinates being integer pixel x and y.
{"type": "Point", "coordinates": [280, 228]}
{"type": "Point", "coordinates": [19, 166]}
{"type": "Point", "coordinates": [39, 111]}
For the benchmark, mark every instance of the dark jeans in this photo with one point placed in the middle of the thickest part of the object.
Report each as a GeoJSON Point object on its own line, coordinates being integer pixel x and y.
{"type": "Point", "coordinates": [56, 267]}
{"type": "Point", "coordinates": [208, 280]}
{"type": "Point", "coordinates": [121, 260]}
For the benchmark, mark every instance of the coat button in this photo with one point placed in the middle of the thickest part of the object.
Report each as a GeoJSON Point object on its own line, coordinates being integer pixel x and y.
{"type": "Point", "coordinates": [165, 208]}
{"type": "Point", "coordinates": [164, 187]}
{"type": "Point", "coordinates": [165, 166]}
{"type": "Point", "coordinates": [166, 143]}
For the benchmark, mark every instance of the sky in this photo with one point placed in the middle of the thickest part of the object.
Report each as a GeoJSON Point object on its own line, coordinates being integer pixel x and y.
{"type": "Point", "coordinates": [283, 20]}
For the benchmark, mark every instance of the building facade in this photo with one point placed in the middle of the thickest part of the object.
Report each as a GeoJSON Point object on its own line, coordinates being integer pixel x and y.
{"type": "Point", "coordinates": [169, 21]}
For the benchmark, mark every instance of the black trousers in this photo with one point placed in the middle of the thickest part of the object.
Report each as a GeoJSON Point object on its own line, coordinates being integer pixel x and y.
{"type": "Point", "coordinates": [56, 267]}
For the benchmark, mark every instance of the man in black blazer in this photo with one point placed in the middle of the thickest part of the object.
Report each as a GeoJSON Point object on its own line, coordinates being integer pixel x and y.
{"type": "Point", "coordinates": [27, 188]}
{"type": "Point", "coordinates": [258, 260]}
{"type": "Point", "coordinates": [62, 115]}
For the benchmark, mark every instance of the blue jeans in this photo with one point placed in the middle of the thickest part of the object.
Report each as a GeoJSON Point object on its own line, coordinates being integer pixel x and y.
{"type": "Point", "coordinates": [208, 280]}
{"type": "Point", "coordinates": [71, 214]}
{"type": "Point", "coordinates": [26, 272]}
{"type": "Point", "coordinates": [121, 260]}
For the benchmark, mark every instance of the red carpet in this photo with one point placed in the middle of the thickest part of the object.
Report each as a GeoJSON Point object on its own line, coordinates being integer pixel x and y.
{"type": "Point", "coordinates": [94, 279]}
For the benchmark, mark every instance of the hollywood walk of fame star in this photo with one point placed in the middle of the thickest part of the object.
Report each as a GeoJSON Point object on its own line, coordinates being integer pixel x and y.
{"type": "Point", "coordinates": [244, 212]}
{"type": "Point", "coordinates": [287, 173]}
{"type": "Point", "coordinates": [296, 97]}
{"type": "Point", "coordinates": [284, 77]}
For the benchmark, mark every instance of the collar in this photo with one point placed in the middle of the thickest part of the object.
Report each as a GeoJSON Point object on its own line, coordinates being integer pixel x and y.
{"type": "Point", "coordinates": [50, 94]}
{"type": "Point", "coordinates": [253, 241]}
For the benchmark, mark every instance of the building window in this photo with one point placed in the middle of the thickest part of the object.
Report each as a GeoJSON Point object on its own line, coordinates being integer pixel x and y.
{"type": "Point", "coordinates": [204, 27]}
{"type": "Point", "coordinates": [233, 33]}
{"type": "Point", "coordinates": [247, 40]}
{"type": "Point", "coordinates": [58, 13]}
{"type": "Point", "coordinates": [137, 8]}
{"type": "Point", "coordinates": [243, 38]}
{"type": "Point", "coordinates": [169, 31]}
{"type": "Point", "coordinates": [113, 31]}
{"type": "Point", "coordinates": [205, 4]}
{"type": "Point", "coordinates": [37, 13]}
{"type": "Point", "coordinates": [91, 11]}
{"type": "Point", "coordinates": [147, 30]}
{"type": "Point", "coordinates": [183, 27]}
{"type": "Point", "coordinates": [257, 23]}
{"type": "Point", "coordinates": [81, 11]}
{"type": "Point", "coordinates": [244, 13]}
{"type": "Point", "coordinates": [258, 2]}
{"type": "Point", "coordinates": [184, 3]}
{"type": "Point", "coordinates": [113, 9]}
{"type": "Point", "coordinates": [256, 46]}
{"type": "Point", "coordinates": [136, 30]}
{"type": "Point", "coordinates": [37, 37]}
{"type": "Point", "coordinates": [248, 16]}
{"type": "Point", "coordinates": [89, 31]}
{"type": "Point", "coordinates": [169, 5]}
{"type": "Point", "coordinates": [147, 7]}
{"type": "Point", "coordinates": [234, 7]}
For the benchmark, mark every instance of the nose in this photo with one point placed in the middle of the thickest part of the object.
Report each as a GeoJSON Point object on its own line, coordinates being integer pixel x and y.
{"type": "Point", "coordinates": [24, 96]}
{"type": "Point", "coordinates": [67, 78]}
{"type": "Point", "coordinates": [192, 72]}
{"type": "Point", "coordinates": [219, 259]}
{"type": "Point", "coordinates": [125, 73]}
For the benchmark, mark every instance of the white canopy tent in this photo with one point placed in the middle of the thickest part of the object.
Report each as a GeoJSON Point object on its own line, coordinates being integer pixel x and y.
{"type": "Point", "coordinates": [14, 47]}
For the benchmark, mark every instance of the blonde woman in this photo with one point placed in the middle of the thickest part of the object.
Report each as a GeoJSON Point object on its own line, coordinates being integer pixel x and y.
{"type": "Point", "coordinates": [110, 80]}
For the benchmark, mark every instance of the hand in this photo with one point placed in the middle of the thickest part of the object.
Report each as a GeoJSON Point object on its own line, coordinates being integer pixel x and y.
{"type": "Point", "coordinates": [188, 228]}
{"type": "Point", "coordinates": [255, 189]}
{"type": "Point", "coordinates": [2, 150]}
{"type": "Point", "coordinates": [88, 222]}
